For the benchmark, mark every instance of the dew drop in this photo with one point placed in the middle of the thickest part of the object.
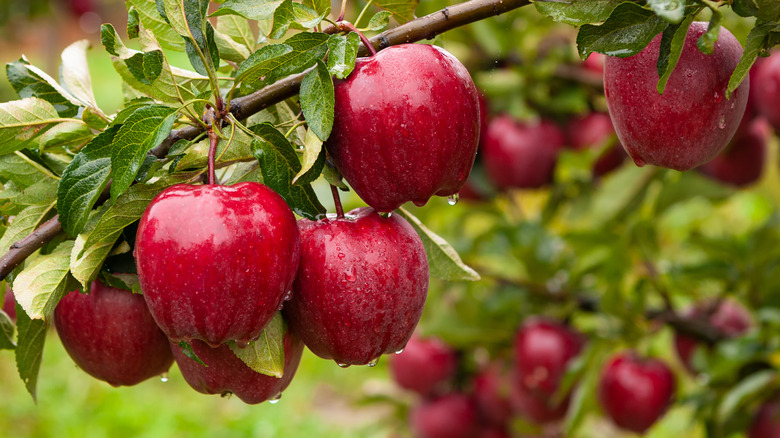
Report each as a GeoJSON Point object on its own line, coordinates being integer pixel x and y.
{"type": "Point", "coordinates": [226, 394]}
{"type": "Point", "coordinates": [275, 399]}
{"type": "Point", "coordinates": [349, 275]}
{"type": "Point", "coordinates": [164, 377]}
{"type": "Point", "coordinates": [399, 351]}
{"type": "Point", "coordinates": [241, 344]}
{"type": "Point", "coordinates": [341, 255]}
{"type": "Point", "coordinates": [453, 199]}
{"type": "Point", "coordinates": [288, 296]}
{"type": "Point", "coordinates": [718, 97]}
{"type": "Point", "coordinates": [639, 162]}
{"type": "Point", "coordinates": [372, 363]}
{"type": "Point", "coordinates": [343, 365]}
{"type": "Point", "coordinates": [722, 122]}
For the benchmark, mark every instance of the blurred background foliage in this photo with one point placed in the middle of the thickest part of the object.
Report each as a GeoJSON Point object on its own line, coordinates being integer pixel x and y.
{"type": "Point", "coordinates": [621, 242]}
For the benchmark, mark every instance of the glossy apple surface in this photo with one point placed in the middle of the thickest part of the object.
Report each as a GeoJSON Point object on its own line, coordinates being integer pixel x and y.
{"type": "Point", "coordinates": [635, 392]}
{"type": "Point", "coordinates": [593, 131]}
{"type": "Point", "coordinates": [767, 93]}
{"type": "Point", "coordinates": [424, 366]}
{"type": "Point", "coordinates": [110, 334]}
{"type": "Point", "coordinates": [766, 421]}
{"type": "Point", "coordinates": [215, 263]}
{"type": "Point", "coordinates": [692, 121]}
{"type": "Point", "coordinates": [227, 374]}
{"type": "Point", "coordinates": [450, 416]}
{"type": "Point", "coordinates": [361, 286]}
{"type": "Point", "coordinates": [521, 155]}
{"type": "Point", "coordinates": [406, 126]}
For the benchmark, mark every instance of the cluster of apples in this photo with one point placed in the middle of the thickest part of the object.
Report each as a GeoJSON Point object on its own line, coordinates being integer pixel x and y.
{"type": "Point", "coordinates": [216, 263]}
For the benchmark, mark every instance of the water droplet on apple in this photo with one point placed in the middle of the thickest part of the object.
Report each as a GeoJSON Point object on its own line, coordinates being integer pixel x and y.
{"type": "Point", "coordinates": [164, 377]}
{"type": "Point", "coordinates": [241, 344]}
{"type": "Point", "coordinates": [343, 365]}
{"type": "Point", "coordinates": [722, 122]}
{"type": "Point", "coordinates": [718, 97]}
{"type": "Point", "coordinates": [342, 255]}
{"type": "Point", "coordinates": [226, 394]}
{"type": "Point", "coordinates": [349, 275]}
{"type": "Point", "coordinates": [639, 162]}
{"type": "Point", "coordinates": [372, 363]}
{"type": "Point", "coordinates": [288, 295]}
{"type": "Point", "coordinates": [399, 351]}
{"type": "Point", "coordinates": [453, 199]}
{"type": "Point", "coordinates": [275, 399]}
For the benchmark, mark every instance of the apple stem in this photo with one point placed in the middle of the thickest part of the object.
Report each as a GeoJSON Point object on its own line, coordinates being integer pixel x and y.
{"type": "Point", "coordinates": [343, 9]}
{"type": "Point", "coordinates": [347, 26]}
{"type": "Point", "coordinates": [213, 141]}
{"type": "Point", "coordinates": [337, 201]}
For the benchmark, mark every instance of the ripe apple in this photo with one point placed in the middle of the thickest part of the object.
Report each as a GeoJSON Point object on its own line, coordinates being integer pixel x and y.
{"type": "Point", "coordinates": [9, 304]}
{"type": "Point", "coordinates": [730, 318]}
{"type": "Point", "coordinates": [742, 162]}
{"type": "Point", "coordinates": [215, 262]}
{"type": "Point", "coordinates": [491, 392]}
{"type": "Point", "coordinates": [450, 416]}
{"type": "Point", "coordinates": [635, 392]}
{"type": "Point", "coordinates": [361, 286]}
{"type": "Point", "coordinates": [766, 421]}
{"type": "Point", "coordinates": [535, 407]}
{"type": "Point", "coordinates": [593, 131]}
{"type": "Point", "coordinates": [595, 62]}
{"type": "Point", "coordinates": [111, 335]}
{"type": "Point", "coordinates": [692, 121]}
{"type": "Point", "coordinates": [424, 366]}
{"type": "Point", "coordinates": [406, 126]}
{"type": "Point", "coordinates": [767, 93]}
{"type": "Point", "coordinates": [225, 373]}
{"type": "Point", "coordinates": [521, 155]}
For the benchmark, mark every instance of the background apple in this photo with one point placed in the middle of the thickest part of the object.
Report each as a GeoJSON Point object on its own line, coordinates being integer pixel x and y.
{"type": "Point", "coordinates": [450, 416]}
{"type": "Point", "coordinates": [767, 88]}
{"type": "Point", "coordinates": [766, 421]}
{"type": "Point", "coordinates": [491, 392]}
{"type": "Point", "coordinates": [535, 407]}
{"type": "Point", "coordinates": [424, 366]}
{"type": "Point", "coordinates": [593, 131]}
{"type": "Point", "coordinates": [9, 303]}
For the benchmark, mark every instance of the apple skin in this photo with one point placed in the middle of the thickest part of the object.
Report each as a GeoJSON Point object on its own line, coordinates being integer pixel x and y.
{"type": "Point", "coordinates": [111, 335]}
{"type": "Point", "coordinates": [449, 416]}
{"type": "Point", "coordinates": [9, 304]}
{"type": "Point", "coordinates": [406, 126]}
{"type": "Point", "coordinates": [692, 121]}
{"type": "Point", "coordinates": [595, 62]}
{"type": "Point", "coordinates": [635, 392]}
{"type": "Point", "coordinates": [521, 155]}
{"type": "Point", "coordinates": [767, 89]}
{"type": "Point", "coordinates": [766, 421]}
{"type": "Point", "coordinates": [227, 374]}
{"type": "Point", "coordinates": [592, 131]}
{"type": "Point", "coordinates": [214, 262]}
{"type": "Point", "coordinates": [491, 392]}
{"type": "Point", "coordinates": [730, 318]}
{"type": "Point", "coordinates": [424, 366]}
{"type": "Point", "coordinates": [361, 286]}
{"type": "Point", "coordinates": [535, 407]}
{"type": "Point", "coordinates": [742, 162]}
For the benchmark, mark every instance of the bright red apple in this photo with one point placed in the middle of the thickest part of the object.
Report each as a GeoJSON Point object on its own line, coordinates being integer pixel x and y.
{"type": "Point", "coordinates": [361, 286]}
{"type": "Point", "coordinates": [225, 373]}
{"type": "Point", "coordinates": [692, 121]}
{"type": "Point", "coordinates": [593, 131]}
{"type": "Point", "coordinates": [521, 155]}
{"type": "Point", "coordinates": [406, 126]}
{"type": "Point", "coordinates": [450, 416]}
{"type": "Point", "coordinates": [766, 421]}
{"type": "Point", "coordinates": [424, 366]}
{"type": "Point", "coordinates": [110, 334]}
{"type": "Point", "coordinates": [635, 392]}
{"type": "Point", "coordinates": [767, 89]}
{"type": "Point", "coordinates": [215, 263]}
{"type": "Point", "coordinates": [491, 392]}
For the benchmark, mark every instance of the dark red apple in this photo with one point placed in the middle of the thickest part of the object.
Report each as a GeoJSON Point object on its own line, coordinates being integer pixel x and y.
{"type": "Point", "coordinates": [361, 286]}
{"type": "Point", "coordinates": [9, 304]}
{"type": "Point", "coordinates": [521, 155]}
{"type": "Point", "coordinates": [406, 126]}
{"type": "Point", "coordinates": [492, 432]}
{"type": "Point", "coordinates": [635, 392]}
{"type": "Point", "coordinates": [730, 318]}
{"type": "Point", "coordinates": [766, 421]}
{"type": "Point", "coordinates": [110, 334]}
{"type": "Point", "coordinates": [215, 263]}
{"type": "Point", "coordinates": [424, 366]}
{"type": "Point", "coordinates": [742, 162]}
{"type": "Point", "coordinates": [450, 416]}
{"type": "Point", "coordinates": [491, 392]}
{"type": "Point", "coordinates": [692, 121]}
{"type": "Point", "coordinates": [593, 131]}
{"type": "Point", "coordinates": [225, 373]}
{"type": "Point", "coordinates": [535, 407]}
{"type": "Point", "coordinates": [767, 93]}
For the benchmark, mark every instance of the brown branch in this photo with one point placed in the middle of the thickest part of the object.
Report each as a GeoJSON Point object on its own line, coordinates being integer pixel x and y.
{"type": "Point", "coordinates": [22, 249]}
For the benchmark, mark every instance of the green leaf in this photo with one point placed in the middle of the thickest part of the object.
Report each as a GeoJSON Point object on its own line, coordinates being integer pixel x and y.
{"type": "Point", "coordinates": [745, 8]}
{"type": "Point", "coordinates": [22, 121]}
{"type": "Point", "coordinates": [84, 180]}
{"type": "Point", "coordinates": [757, 40]}
{"type": "Point", "coordinates": [20, 169]}
{"type": "Point", "coordinates": [23, 224]}
{"type": "Point", "coordinates": [229, 48]}
{"type": "Point", "coordinates": [72, 135]}
{"type": "Point", "coordinates": [379, 21]}
{"type": "Point", "coordinates": [153, 21]}
{"type": "Point", "coordinates": [238, 149]}
{"type": "Point", "coordinates": [403, 10]}
{"type": "Point", "coordinates": [266, 354]}
{"type": "Point", "coordinates": [28, 81]}
{"type": "Point", "coordinates": [250, 9]}
{"type": "Point", "coordinates": [186, 348]}
{"type": "Point", "coordinates": [318, 100]}
{"type": "Point", "coordinates": [128, 282]}
{"type": "Point", "coordinates": [313, 160]}
{"type": "Point", "coordinates": [40, 193]}
{"type": "Point", "coordinates": [443, 260]}
{"type": "Point", "coordinates": [576, 12]}
{"type": "Point", "coordinates": [146, 66]}
{"type": "Point", "coordinates": [321, 6]}
{"type": "Point", "coordinates": [279, 165]}
{"type": "Point", "coordinates": [342, 53]}
{"type": "Point", "coordinates": [745, 392]}
{"type": "Point", "coordinates": [29, 350]}
{"type": "Point", "coordinates": [74, 73]}
{"type": "Point", "coordinates": [294, 15]}
{"type": "Point", "coordinates": [672, 42]}
{"type": "Point", "coordinates": [142, 131]}
{"type": "Point", "coordinates": [274, 61]}
{"type": "Point", "coordinates": [672, 11]}
{"type": "Point", "coordinates": [188, 18]}
{"type": "Point", "coordinates": [627, 31]}
{"type": "Point", "coordinates": [238, 29]}
{"type": "Point", "coordinates": [39, 287]}
{"type": "Point", "coordinates": [767, 10]}
{"type": "Point", "coordinates": [133, 23]}
{"type": "Point", "coordinates": [706, 42]}
{"type": "Point", "coordinates": [6, 331]}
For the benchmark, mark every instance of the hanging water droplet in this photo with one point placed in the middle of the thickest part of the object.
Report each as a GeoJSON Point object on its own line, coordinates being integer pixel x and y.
{"type": "Point", "coordinates": [372, 363]}
{"type": "Point", "coordinates": [288, 296]}
{"type": "Point", "coordinates": [164, 377]}
{"type": "Point", "coordinates": [399, 351]}
{"type": "Point", "coordinates": [242, 344]}
{"type": "Point", "coordinates": [453, 199]}
{"type": "Point", "coordinates": [226, 394]}
{"type": "Point", "coordinates": [343, 365]}
{"type": "Point", "coordinates": [275, 399]}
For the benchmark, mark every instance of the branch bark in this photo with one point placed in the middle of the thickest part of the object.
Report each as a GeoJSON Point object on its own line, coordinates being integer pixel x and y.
{"type": "Point", "coordinates": [426, 27]}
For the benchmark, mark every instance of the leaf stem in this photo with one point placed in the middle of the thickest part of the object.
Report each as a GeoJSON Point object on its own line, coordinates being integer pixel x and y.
{"type": "Point", "coordinates": [343, 9]}
{"type": "Point", "coordinates": [213, 142]}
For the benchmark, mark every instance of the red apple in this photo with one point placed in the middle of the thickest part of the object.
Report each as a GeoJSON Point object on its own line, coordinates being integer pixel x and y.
{"type": "Point", "coordinates": [406, 126]}
{"type": "Point", "coordinates": [521, 155]}
{"type": "Point", "coordinates": [766, 421]}
{"type": "Point", "coordinates": [9, 304]}
{"type": "Point", "coordinates": [424, 366]}
{"type": "Point", "coordinates": [110, 334]}
{"type": "Point", "coordinates": [535, 407]}
{"type": "Point", "coordinates": [450, 416]}
{"type": "Point", "coordinates": [692, 121]}
{"type": "Point", "coordinates": [635, 392]}
{"type": "Point", "coordinates": [215, 262]}
{"type": "Point", "coordinates": [361, 286]}
{"type": "Point", "coordinates": [730, 318]}
{"type": "Point", "coordinates": [593, 131]}
{"type": "Point", "coordinates": [595, 62]}
{"type": "Point", "coordinates": [767, 89]}
{"type": "Point", "coordinates": [224, 373]}
{"type": "Point", "coordinates": [491, 392]}
{"type": "Point", "coordinates": [742, 162]}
